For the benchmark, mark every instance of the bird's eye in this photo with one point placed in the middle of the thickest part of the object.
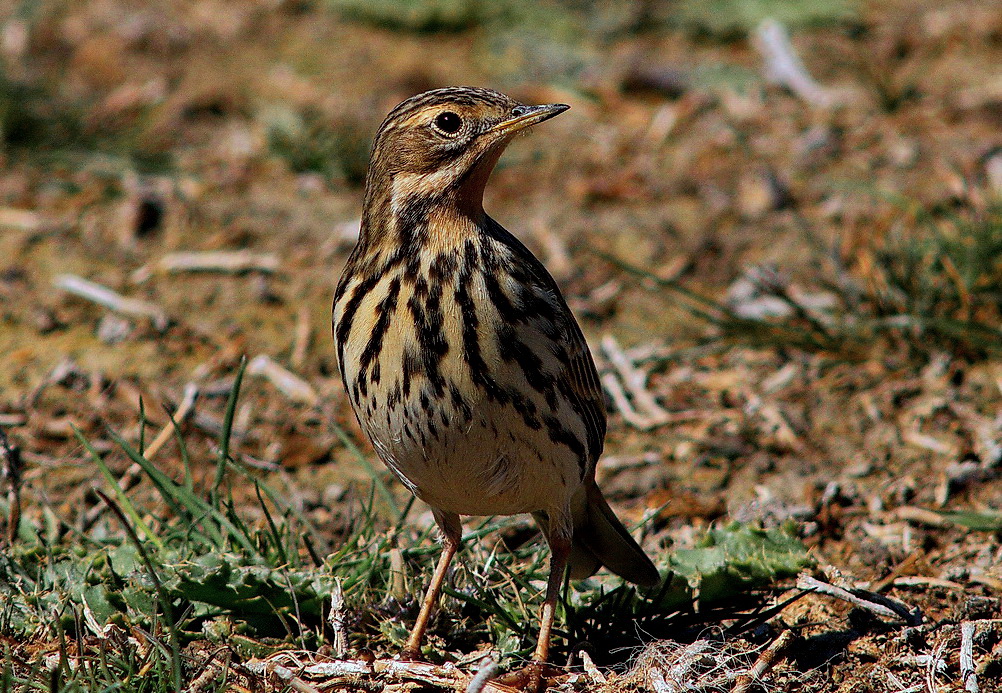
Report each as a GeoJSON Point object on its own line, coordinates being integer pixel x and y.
{"type": "Point", "coordinates": [519, 110]}
{"type": "Point", "coordinates": [448, 122]}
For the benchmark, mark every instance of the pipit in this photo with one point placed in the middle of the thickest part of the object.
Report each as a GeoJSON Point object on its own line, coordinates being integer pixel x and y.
{"type": "Point", "coordinates": [461, 359]}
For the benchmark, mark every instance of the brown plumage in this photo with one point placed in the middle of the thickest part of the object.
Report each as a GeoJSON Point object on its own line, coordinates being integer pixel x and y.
{"type": "Point", "coordinates": [463, 363]}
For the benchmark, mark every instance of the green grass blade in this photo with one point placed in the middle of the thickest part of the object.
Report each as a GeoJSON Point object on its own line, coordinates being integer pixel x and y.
{"type": "Point", "coordinates": [123, 499]}
{"type": "Point", "coordinates": [227, 432]}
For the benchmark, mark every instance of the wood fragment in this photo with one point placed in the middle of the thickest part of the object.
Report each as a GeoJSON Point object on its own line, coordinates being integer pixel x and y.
{"type": "Point", "coordinates": [287, 676]}
{"type": "Point", "coordinates": [184, 409]}
{"type": "Point", "coordinates": [11, 466]}
{"type": "Point", "coordinates": [487, 670]}
{"type": "Point", "coordinates": [785, 68]}
{"type": "Point", "coordinates": [921, 515]}
{"type": "Point", "coordinates": [770, 656]}
{"type": "Point", "coordinates": [301, 338]}
{"type": "Point", "coordinates": [591, 670]}
{"type": "Point", "coordinates": [808, 583]}
{"type": "Point", "coordinates": [112, 300]}
{"type": "Point", "coordinates": [287, 382]}
{"type": "Point", "coordinates": [222, 261]}
{"type": "Point", "coordinates": [337, 621]}
{"type": "Point", "coordinates": [968, 674]}
{"type": "Point", "coordinates": [922, 581]}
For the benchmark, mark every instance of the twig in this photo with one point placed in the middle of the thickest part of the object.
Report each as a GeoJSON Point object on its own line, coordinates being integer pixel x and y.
{"type": "Point", "coordinates": [921, 516]}
{"type": "Point", "coordinates": [968, 673]}
{"type": "Point", "coordinates": [11, 473]}
{"type": "Point", "coordinates": [634, 380]}
{"type": "Point", "coordinates": [488, 669]}
{"type": "Point", "coordinates": [806, 582]}
{"type": "Point", "coordinates": [934, 664]}
{"type": "Point", "coordinates": [132, 475]}
{"type": "Point", "coordinates": [589, 666]}
{"type": "Point", "coordinates": [184, 409]}
{"type": "Point", "coordinates": [768, 659]}
{"type": "Point", "coordinates": [284, 673]}
{"type": "Point", "coordinates": [301, 338]}
{"type": "Point", "coordinates": [923, 581]}
{"type": "Point", "coordinates": [112, 300]}
{"type": "Point", "coordinates": [290, 384]}
{"type": "Point", "coordinates": [336, 620]}
{"type": "Point", "coordinates": [226, 261]}
{"type": "Point", "coordinates": [784, 67]}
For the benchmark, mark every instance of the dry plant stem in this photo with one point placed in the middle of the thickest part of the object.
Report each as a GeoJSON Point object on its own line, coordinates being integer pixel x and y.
{"type": "Point", "coordinates": [968, 674]}
{"type": "Point", "coordinates": [288, 383]}
{"type": "Point", "coordinates": [487, 670]}
{"type": "Point", "coordinates": [645, 412]}
{"type": "Point", "coordinates": [287, 676]}
{"type": "Point", "coordinates": [771, 656]}
{"type": "Point", "coordinates": [133, 474]}
{"type": "Point", "coordinates": [806, 582]}
{"type": "Point", "coordinates": [452, 536]}
{"type": "Point", "coordinates": [230, 262]}
{"type": "Point", "coordinates": [11, 472]}
{"type": "Point", "coordinates": [336, 619]}
{"type": "Point", "coordinates": [784, 67]}
{"type": "Point", "coordinates": [112, 300]}
{"type": "Point", "coordinates": [589, 666]}
{"type": "Point", "coordinates": [184, 409]}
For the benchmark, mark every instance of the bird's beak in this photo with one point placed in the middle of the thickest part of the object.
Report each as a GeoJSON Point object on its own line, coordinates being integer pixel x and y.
{"type": "Point", "coordinates": [527, 116]}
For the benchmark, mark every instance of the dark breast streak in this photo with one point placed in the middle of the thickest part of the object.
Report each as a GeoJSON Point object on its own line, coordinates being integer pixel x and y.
{"type": "Point", "coordinates": [411, 310]}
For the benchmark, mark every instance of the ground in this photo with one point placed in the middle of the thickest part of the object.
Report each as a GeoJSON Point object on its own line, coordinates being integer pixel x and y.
{"type": "Point", "coordinates": [792, 290]}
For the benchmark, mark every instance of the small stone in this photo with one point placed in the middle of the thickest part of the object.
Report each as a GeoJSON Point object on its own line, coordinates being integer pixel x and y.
{"type": "Point", "coordinates": [112, 329]}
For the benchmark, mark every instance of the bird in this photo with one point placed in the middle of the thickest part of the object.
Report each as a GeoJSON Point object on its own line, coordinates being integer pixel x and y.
{"type": "Point", "coordinates": [462, 362]}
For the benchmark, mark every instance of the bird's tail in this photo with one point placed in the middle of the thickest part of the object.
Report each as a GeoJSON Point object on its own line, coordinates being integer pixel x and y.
{"type": "Point", "coordinates": [600, 539]}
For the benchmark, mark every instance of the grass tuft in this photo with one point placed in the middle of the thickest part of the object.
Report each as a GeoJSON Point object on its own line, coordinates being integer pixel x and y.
{"type": "Point", "coordinates": [129, 609]}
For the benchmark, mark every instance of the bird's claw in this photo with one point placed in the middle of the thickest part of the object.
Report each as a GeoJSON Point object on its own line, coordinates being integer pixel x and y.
{"type": "Point", "coordinates": [532, 678]}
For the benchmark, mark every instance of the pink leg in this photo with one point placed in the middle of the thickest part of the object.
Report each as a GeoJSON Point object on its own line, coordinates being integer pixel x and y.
{"type": "Point", "coordinates": [452, 533]}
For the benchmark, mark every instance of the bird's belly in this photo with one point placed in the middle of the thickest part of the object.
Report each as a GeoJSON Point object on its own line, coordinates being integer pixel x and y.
{"type": "Point", "coordinates": [487, 463]}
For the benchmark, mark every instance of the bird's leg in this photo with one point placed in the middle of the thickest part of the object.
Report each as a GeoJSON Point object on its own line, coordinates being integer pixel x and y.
{"type": "Point", "coordinates": [530, 678]}
{"type": "Point", "coordinates": [560, 547]}
{"type": "Point", "coordinates": [452, 534]}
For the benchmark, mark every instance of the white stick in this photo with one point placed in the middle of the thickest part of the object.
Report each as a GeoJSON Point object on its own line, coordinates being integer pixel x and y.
{"type": "Point", "coordinates": [290, 384]}
{"type": "Point", "coordinates": [488, 669]}
{"type": "Point", "coordinates": [968, 673]}
{"type": "Point", "coordinates": [103, 296]}
{"type": "Point", "coordinates": [784, 67]}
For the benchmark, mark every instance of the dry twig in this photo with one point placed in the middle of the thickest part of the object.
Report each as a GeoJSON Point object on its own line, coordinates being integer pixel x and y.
{"type": "Point", "coordinates": [225, 261]}
{"type": "Point", "coordinates": [768, 659]}
{"type": "Point", "coordinates": [336, 619]}
{"type": "Point", "coordinates": [488, 669]}
{"type": "Point", "coordinates": [901, 612]}
{"type": "Point", "coordinates": [112, 300]}
{"type": "Point", "coordinates": [968, 674]}
{"type": "Point", "coordinates": [784, 67]}
{"type": "Point", "coordinates": [10, 472]}
{"type": "Point", "coordinates": [290, 384]}
{"type": "Point", "coordinates": [590, 669]}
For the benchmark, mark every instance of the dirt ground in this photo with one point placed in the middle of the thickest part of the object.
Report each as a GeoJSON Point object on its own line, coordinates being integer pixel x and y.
{"type": "Point", "coordinates": [134, 131]}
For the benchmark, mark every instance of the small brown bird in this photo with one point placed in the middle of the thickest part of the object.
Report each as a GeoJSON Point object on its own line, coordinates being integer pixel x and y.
{"type": "Point", "coordinates": [463, 363]}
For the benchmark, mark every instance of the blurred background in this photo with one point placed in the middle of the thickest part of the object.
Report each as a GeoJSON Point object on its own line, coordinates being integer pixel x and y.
{"type": "Point", "coordinates": [777, 220]}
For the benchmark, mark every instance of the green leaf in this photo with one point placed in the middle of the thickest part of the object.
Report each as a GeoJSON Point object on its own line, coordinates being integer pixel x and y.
{"type": "Point", "coordinates": [978, 522]}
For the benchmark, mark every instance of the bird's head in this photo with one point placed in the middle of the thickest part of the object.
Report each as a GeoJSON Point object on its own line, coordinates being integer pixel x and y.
{"type": "Point", "coordinates": [445, 143]}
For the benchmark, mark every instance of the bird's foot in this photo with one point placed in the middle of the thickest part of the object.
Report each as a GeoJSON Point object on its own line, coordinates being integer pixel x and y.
{"type": "Point", "coordinates": [534, 677]}
{"type": "Point", "coordinates": [410, 655]}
